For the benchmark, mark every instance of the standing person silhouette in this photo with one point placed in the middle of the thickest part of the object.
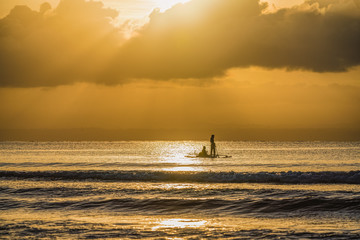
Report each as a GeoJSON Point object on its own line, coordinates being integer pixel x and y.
{"type": "Point", "coordinates": [213, 146]}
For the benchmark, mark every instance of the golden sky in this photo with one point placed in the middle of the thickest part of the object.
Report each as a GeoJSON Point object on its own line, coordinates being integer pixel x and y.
{"type": "Point", "coordinates": [201, 64]}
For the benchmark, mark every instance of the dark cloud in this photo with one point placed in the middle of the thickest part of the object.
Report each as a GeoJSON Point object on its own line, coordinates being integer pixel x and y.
{"type": "Point", "coordinates": [199, 39]}
{"type": "Point", "coordinates": [204, 38]}
{"type": "Point", "coordinates": [54, 47]}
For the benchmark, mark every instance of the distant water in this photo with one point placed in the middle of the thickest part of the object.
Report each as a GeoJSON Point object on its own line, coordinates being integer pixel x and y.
{"type": "Point", "coordinates": [120, 190]}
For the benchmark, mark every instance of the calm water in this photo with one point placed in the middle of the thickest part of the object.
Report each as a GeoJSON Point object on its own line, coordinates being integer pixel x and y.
{"type": "Point", "coordinates": [72, 190]}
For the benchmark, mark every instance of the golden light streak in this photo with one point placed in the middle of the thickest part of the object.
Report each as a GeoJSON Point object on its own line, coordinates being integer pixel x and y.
{"type": "Point", "coordinates": [180, 223]}
{"type": "Point", "coordinates": [176, 154]}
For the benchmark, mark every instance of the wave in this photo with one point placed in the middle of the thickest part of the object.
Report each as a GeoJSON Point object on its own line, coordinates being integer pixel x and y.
{"type": "Point", "coordinates": [180, 205]}
{"type": "Point", "coordinates": [159, 165]}
{"type": "Point", "coordinates": [328, 177]}
{"type": "Point", "coordinates": [77, 229]}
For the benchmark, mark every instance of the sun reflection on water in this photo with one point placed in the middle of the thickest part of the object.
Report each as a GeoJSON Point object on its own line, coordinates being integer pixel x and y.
{"type": "Point", "coordinates": [176, 153]}
{"type": "Point", "coordinates": [183, 169]}
{"type": "Point", "coordinates": [180, 223]}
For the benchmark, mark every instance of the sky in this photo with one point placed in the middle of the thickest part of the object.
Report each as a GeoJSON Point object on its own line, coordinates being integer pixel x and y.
{"type": "Point", "coordinates": [219, 66]}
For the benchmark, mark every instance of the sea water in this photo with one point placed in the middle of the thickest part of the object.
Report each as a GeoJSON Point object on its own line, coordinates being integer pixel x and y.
{"type": "Point", "coordinates": [154, 190]}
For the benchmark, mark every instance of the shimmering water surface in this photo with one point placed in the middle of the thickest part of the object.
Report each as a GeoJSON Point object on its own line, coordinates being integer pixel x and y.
{"type": "Point", "coordinates": [120, 190]}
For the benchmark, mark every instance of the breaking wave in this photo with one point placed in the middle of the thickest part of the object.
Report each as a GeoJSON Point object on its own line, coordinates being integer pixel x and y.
{"type": "Point", "coordinates": [290, 177]}
{"type": "Point", "coordinates": [179, 205]}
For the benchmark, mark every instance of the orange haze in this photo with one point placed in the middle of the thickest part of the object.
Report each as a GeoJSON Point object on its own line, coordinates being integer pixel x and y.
{"type": "Point", "coordinates": [244, 70]}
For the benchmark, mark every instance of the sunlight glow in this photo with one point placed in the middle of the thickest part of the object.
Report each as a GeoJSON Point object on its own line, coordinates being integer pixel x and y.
{"type": "Point", "coordinates": [180, 223]}
{"type": "Point", "coordinates": [183, 169]}
{"type": "Point", "coordinates": [172, 186]}
{"type": "Point", "coordinates": [176, 153]}
{"type": "Point", "coordinates": [166, 4]}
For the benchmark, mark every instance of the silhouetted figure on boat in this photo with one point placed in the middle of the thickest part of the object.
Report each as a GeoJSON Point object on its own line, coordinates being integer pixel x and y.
{"type": "Point", "coordinates": [203, 153]}
{"type": "Point", "coordinates": [213, 146]}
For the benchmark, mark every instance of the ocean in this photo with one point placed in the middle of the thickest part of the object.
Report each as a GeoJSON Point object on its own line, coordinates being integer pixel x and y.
{"type": "Point", "coordinates": [154, 190]}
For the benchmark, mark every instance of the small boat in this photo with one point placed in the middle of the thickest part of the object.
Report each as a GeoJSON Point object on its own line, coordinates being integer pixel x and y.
{"type": "Point", "coordinates": [204, 154]}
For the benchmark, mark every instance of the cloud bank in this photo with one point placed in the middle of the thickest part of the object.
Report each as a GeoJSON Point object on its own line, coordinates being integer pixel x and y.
{"type": "Point", "coordinates": [58, 46]}
{"type": "Point", "coordinates": [198, 39]}
{"type": "Point", "coordinates": [204, 38]}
